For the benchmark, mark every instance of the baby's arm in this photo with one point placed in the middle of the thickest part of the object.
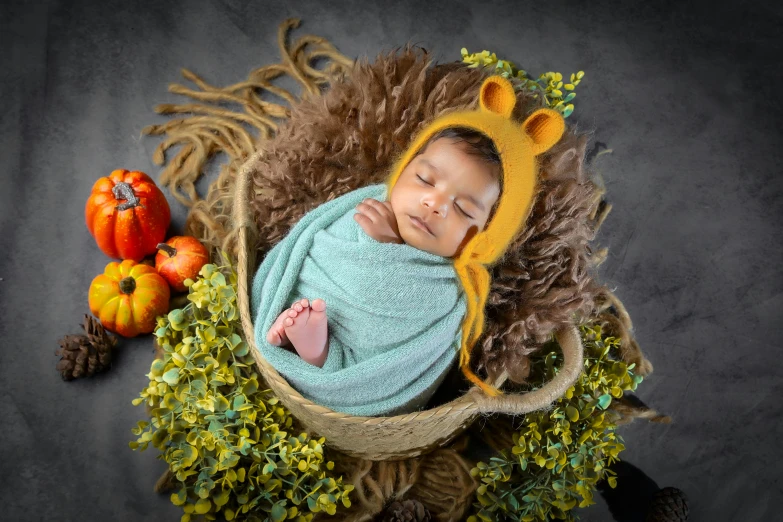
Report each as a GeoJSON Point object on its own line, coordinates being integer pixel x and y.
{"type": "Point", "coordinates": [377, 219]}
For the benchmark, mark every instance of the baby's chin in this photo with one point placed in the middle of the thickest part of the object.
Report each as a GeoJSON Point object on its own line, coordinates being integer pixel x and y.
{"type": "Point", "coordinates": [412, 239]}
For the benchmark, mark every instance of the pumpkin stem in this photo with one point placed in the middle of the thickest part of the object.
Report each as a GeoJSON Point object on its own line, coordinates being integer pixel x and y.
{"type": "Point", "coordinates": [127, 285]}
{"type": "Point", "coordinates": [122, 190]}
{"type": "Point", "coordinates": [170, 250]}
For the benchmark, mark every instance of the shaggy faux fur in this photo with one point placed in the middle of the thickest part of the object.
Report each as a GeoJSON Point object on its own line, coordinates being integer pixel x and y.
{"type": "Point", "coordinates": [349, 137]}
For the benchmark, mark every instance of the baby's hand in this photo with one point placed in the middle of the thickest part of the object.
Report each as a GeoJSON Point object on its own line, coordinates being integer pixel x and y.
{"type": "Point", "coordinates": [377, 219]}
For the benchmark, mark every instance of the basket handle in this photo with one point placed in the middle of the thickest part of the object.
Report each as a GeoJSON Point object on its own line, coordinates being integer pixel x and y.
{"type": "Point", "coordinates": [517, 403]}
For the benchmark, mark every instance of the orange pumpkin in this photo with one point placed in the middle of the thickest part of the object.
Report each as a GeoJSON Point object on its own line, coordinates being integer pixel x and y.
{"type": "Point", "coordinates": [180, 258]}
{"type": "Point", "coordinates": [128, 297]}
{"type": "Point", "coordinates": [127, 214]}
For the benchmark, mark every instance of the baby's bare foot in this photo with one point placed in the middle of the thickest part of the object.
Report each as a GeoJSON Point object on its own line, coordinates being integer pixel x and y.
{"type": "Point", "coordinates": [276, 335]}
{"type": "Point", "coordinates": [306, 329]}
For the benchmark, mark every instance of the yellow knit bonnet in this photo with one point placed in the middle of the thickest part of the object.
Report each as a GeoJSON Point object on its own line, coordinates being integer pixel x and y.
{"type": "Point", "coordinates": [517, 146]}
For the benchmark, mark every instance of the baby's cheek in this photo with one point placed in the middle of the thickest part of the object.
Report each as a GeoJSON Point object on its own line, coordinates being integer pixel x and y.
{"type": "Point", "coordinates": [467, 236]}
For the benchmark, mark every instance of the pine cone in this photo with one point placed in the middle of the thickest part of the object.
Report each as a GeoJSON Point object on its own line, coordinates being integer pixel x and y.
{"type": "Point", "coordinates": [668, 505]}
{"type": "Point", "coordinates": [406, 511]}
{"type": "Point", "coordinates": [85, 355]}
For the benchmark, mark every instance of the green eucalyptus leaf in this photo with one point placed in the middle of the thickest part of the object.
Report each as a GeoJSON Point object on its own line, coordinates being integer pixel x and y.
{"type": "Point", "coordinates": [222, 498]}
{"type": "Point", "coordinates": [223, 356]}
{"type": "Point", "coordinates": [157, 367]}
{"type": "Point", "coordinates": [171, 377]}
{"type": "Point", "coordinates": [203, 506]}
{"type": "Point", "coordinates": [159, 437]}
{"type": "Point", "coordinates": [176, 317]}
{"type": "Point", "coordinates": [218, 279]}
{"type": "Point", "coordinates": [278, 512]}
{"type": "Point", "coordinates": [179, 497]}
{"type": "Point", "coordinates": [241, 349]}
{"type": "Point", "coordinates": [189, 455]}
{"type": "Point", "coordinates": [222, 404]}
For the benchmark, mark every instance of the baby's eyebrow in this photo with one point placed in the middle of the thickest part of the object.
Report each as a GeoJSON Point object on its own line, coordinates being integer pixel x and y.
{"type": "Point", "coordinates": [468, 196]}
{"type": "Point", "coordinates": [430, 165]}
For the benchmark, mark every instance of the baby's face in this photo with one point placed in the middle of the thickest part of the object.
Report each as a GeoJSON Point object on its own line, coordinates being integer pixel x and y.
{"type": "Point", "coordinates": [450, 191]}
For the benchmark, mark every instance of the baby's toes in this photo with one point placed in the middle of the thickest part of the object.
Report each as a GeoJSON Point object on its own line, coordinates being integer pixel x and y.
{"type": "Point", "coordinates": [319, 305]}
{"type": "Point", "coordinates": [276, 335]}
{"type": "Point", "coordinates": [300, 305]}
{"type": "Point", "coordinates": [273, 338]}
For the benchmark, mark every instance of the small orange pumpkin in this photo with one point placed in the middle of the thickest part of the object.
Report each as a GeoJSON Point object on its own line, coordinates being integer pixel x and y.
{"type": "Point", "coordinates": [180, 258]}
{"type": "Point", "coordinates": [127, 214]}
{"type": "Point", "coordinates": [128, 297]}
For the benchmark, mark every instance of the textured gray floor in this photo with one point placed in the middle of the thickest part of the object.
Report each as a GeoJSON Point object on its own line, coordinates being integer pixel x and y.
{"type": "Point", "coordinates": [685, 96]}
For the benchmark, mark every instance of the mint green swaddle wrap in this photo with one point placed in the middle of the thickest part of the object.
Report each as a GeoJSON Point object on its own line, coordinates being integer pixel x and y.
{"type": "Point", "coordinates": [394, 312]}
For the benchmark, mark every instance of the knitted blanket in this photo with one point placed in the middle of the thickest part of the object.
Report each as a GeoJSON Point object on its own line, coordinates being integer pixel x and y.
{"type": "Point", "coordinates": [394, 312]}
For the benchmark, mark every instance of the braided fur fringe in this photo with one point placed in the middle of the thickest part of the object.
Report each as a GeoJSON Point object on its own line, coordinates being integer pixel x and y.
{"type": "Point", "coordinates": [209, 128]}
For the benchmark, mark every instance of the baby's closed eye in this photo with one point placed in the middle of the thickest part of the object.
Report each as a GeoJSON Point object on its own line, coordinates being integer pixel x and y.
{"type": "Point", "coordinates": [455, 204]}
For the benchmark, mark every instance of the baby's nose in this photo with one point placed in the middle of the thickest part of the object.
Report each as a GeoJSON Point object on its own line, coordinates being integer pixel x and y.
{"type": "Point", "coordinates": [439, 207]}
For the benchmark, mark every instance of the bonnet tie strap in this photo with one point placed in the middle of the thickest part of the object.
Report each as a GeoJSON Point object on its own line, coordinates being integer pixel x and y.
{"type": "Point", "coordinates": [475, 281]}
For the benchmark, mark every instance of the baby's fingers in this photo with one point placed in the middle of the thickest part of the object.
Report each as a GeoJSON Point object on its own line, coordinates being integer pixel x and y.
{"type": "Point", "coordinates": [369, 210]}
{"type": "Point", "coordinates": [383, 207]}
{"type": "Point", "coordinates": [364, 221]}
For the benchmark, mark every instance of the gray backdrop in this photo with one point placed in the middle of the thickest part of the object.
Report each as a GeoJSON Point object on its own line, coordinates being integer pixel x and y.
{"type": "Point", "coordinates": [684, 95]}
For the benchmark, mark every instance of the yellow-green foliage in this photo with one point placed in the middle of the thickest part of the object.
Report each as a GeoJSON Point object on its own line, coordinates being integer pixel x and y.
{"type": "Point", "coordinates": [550, 83]}
{"type": "Point", "coordinates": [224, 438]}
{"type": "Point", "coordinates": [559, 455]}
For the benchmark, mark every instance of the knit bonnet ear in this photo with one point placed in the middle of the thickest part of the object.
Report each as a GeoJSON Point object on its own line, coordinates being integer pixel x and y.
{"type": "Point", "coordinates": [545, 127]}
{"type": "Point", "coordinates": [497, 95]}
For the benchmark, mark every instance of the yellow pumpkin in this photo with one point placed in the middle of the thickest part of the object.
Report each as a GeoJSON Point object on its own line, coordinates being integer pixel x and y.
{"type": "Point", "coordinates": [128, 297]}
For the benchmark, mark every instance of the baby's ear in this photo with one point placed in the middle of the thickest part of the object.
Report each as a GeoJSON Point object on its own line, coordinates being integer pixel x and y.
{"type": "Point", "coordinates": [497, 95]}
{"type": "Point", "coordinates": [545, 127]}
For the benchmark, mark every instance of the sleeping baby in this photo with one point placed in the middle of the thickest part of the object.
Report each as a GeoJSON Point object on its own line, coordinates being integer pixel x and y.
{"type": "Point", "coordinates": [367, 302]}
{"type": "Point", "coordinates": [442, 198]}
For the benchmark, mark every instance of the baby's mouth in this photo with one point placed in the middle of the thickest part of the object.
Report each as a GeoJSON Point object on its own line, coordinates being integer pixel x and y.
{"type": "Point", "coordinates": [421, 224]}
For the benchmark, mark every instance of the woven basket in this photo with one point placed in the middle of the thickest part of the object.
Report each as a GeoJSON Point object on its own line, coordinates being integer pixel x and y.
{"type": "Point", "coordinates": [384, 438]}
